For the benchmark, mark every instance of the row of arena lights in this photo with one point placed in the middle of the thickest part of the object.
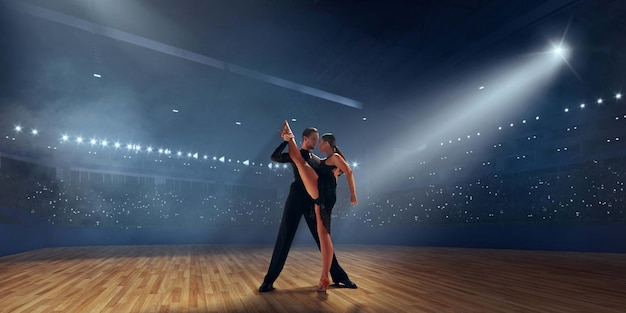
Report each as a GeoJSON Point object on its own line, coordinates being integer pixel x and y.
{"type": "Point", "coordinates": [161, 151]}
{"type": "Point", "coordinates": [618, 96]}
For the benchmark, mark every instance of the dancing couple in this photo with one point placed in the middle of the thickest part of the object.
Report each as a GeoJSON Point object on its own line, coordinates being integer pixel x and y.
{"type": "Point", "coordinates": [313, 195]}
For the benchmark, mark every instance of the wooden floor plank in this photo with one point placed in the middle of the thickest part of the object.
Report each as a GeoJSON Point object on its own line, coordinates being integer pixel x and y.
{"type": "Point", "coordinates": [221, 278]}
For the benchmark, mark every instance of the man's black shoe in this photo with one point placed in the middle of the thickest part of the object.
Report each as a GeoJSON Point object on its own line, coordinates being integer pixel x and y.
{"type": "Point", "coordinates": [265, 287]}
{"type": "Point", "coordinates": [345, 283]}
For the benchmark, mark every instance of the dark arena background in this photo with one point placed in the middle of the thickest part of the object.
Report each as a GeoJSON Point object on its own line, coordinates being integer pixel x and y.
{"type": "Point", "coordinates": [487, 140]}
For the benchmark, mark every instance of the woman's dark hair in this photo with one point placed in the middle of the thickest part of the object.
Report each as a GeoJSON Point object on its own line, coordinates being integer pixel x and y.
{"type": "Point", "coordinates": [330, 138]}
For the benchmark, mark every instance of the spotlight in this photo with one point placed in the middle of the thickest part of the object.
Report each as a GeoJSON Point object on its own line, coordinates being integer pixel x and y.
{"type": "Point", "coordinates": [34, 132]}
{"type": "Point", "coordinates": [599, 101]}
{"type": "Point", "coordinates": [618, 96]}
{"type": "Point", "coordinates": [560, 51]}
{"type": "Point", "coordinates": [18, 128]}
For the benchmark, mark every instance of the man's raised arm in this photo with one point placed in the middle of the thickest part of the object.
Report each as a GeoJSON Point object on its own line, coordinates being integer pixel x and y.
{"type": "Point", "coordinates": [279, 156]}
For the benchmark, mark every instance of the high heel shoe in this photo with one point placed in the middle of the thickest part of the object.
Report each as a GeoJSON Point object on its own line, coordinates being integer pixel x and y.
{"type": "Point", "coordinates": [323, 285]}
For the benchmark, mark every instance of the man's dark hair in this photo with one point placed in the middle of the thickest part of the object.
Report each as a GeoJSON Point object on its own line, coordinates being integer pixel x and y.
{"type": "Point", "coordinates": [308, 131]}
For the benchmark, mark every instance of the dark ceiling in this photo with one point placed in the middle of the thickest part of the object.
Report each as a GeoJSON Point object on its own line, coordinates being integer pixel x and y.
{"type": "Point", "coordinates": [235, 69]}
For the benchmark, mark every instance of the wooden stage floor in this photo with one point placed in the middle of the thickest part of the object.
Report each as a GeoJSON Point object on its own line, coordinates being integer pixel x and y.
{"type": "Point", "coordinates": [225, 278]}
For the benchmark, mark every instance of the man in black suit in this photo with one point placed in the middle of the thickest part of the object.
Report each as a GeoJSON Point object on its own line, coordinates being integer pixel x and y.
{"type": "Point", "coordinates": [298, 204]}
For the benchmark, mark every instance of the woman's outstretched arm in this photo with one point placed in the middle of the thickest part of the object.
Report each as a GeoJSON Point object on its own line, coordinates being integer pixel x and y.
{"type": "Point", "coordinates": [338, 161]}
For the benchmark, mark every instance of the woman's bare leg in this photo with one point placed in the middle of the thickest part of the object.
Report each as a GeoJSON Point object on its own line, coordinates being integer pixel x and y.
{"type": "Point", "coordinates": [307, 173]}
{"type": "Point", "coordinates": [326, 248]}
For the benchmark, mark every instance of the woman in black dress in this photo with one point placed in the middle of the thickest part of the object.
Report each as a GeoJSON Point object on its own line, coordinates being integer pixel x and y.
{"type": "Point", "coordinates": [322, 187]}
